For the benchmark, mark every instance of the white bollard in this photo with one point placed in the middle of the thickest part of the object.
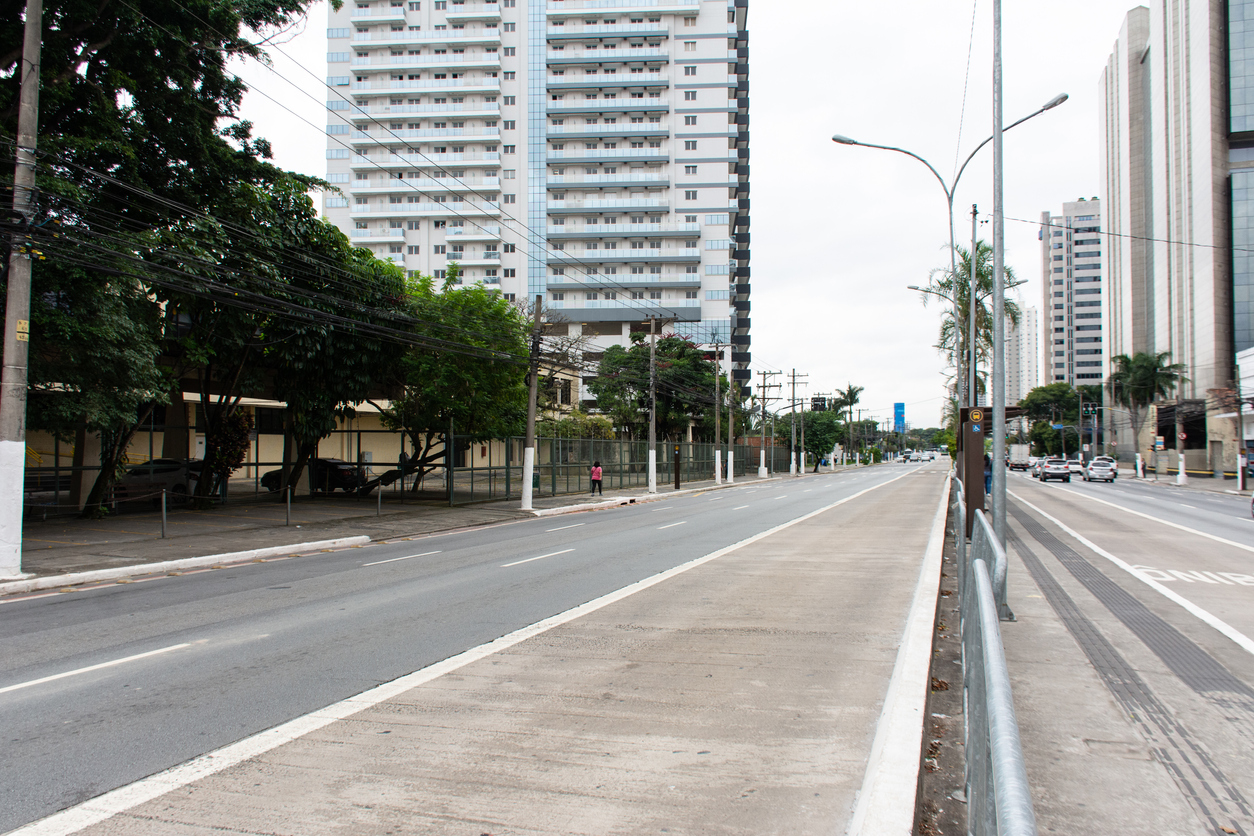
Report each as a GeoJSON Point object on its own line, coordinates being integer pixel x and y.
{"type": "Point", "coordinates": [731, 474]}
{"type": "Point", "coordinates": [718, 467]}
{"type": "Point", "coordinates": [653, 471]}
{"type": "Point", "coordinates": [762, 474]}
{"type": "Point", "coordinates": [529, 468]}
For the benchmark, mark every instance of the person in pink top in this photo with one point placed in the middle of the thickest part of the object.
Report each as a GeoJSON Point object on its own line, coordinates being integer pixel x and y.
{"type": "Point", "coordinates": [596, 479]}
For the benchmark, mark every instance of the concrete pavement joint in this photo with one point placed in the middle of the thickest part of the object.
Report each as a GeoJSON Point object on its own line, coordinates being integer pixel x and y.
{"type": "Point", "coordinates": [109, 804]}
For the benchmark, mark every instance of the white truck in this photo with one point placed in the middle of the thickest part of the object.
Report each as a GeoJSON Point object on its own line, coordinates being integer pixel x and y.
{"type": "Point", "coordinates": [1020, 455]}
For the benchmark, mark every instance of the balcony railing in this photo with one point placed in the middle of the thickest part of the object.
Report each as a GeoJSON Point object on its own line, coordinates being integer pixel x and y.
{"type": "Point", "coordinates": [425, 160]}
{"type": "Point", "coordinates": [472, 231]}
{"type": "Point", "coordinates": [615, 129]}
{"type": "Point", "coordinates": [614, 80]}
{"type": "Point", "coordinates": [608, 154]}
{"type": "Point", "coordinates": [598, 179]}
{"type": "Point", "coordinates": [487, 255]}
{"type": "Point", "coordinates": [404, 62]}
{"type": "Point", "coordinates": [601, 55]}
{"type": "Point", "coordinates": [656, 5]}
{"type": "Point", "coordinates": [467, 109]}
{"type": "Point", "coordinates": [608, 105]}
{"type": "Point", "coordinates": [476, 84]}
{"type": "Point", "coordinates": [359, 137]}
{"type": "Point", "coordinates": [613, 30]}
{"type": "Point", "coordinates": [438, 36]}
{"type": "Point", "coordinates": [619, 230]}
{"type": "Point", "coordinates": [474, 11]}
{"type": "Point", "coordinates": [439, 183]}
{"type": "Point", "coordinates": [623, 204]}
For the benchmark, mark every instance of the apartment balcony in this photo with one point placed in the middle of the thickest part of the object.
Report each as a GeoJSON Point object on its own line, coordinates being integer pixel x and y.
{"type": "Point", "coordinates": [615, 283]}
{"type": "Point", "coordinates": [608, 181]}
{"type": "Point", "coordinates": [488, 258]}
{"type": "Point", "coordinates": [401, 63]}
{"type": "Point", "coordinates": [438, 210]}
{"type": "Point", "coordinates": [408, 186]}
{"type": "Point", "coordinates": [628, 256]}
{"type": "Point", "coordinates": [651, 230]}
{"type": "Point", "coordinates": [618, 30]}
{"type": "Point", "coordinates": [625, 129]}
{"type": "Point", "coordinates": [376, 236]}
{"type": "Point", "coordinates": [577, 82]}
{"type": "Point", "coordinates": [616, 105]}
{"type": "Point", "coordinates": [453, 37]}
{"type": "Point", "coordinates": [472, 134]}
{"type": "Point", "coordinates": [575, 8]}
{"type": "Point", "coordinates": [396, 161]}
{"type": "Point", "coordinates": [435, 85]}
{"type": "Point", "coordinates": [474, 233]}
{"type": "Point", "coordinates": [608, 56]}
{"type": "Point", "coordinates": [622, 204]}
{"type": "Point", "coordinates": [607, 155]}
{"type": "Point", "coordinates": [378, 14]}
{"type": "Point", "coordinates": [468, 12]}
{"type": "Point", "coordinates": [620, 310]}
{"type": "Point", "coordinates": [490, 110]}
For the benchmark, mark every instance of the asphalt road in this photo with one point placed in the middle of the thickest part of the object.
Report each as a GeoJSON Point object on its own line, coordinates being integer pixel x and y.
{"type": "Point", "coordinates": [225, 653]}
{"type": "Point", "coordinates": [1222, 515]}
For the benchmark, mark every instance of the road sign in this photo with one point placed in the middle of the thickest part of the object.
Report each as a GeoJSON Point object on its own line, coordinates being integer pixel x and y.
{"type": "Point", "coordinates": [1056, 426]}
{"type": "Point", "coordinates": [1182, 436]}
{"type": "Point", "coordinates": [1086, 448]}
{"type": "Point", "coordinates": [1160, 443]}
{"type": "Point", "coordinates": [977, 415]}
{"type": "Point", "coordinates": [976, 428]}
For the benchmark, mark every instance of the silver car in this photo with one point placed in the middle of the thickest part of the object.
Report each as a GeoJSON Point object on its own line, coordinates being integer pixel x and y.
{"type": "Point", "coordinates": [1101, 470]}
{"type": "Point", "coordinates": [1054, 469]}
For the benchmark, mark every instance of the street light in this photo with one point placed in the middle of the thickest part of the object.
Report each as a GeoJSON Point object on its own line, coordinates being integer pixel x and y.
{"type": "Point", "coordinates": [840, 139]}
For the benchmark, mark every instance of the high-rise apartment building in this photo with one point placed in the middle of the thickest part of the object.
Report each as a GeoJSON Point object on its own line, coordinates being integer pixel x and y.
{"type": "Point", "coordinates": [1178, 195]}
{"type": "Point", "coordinates": [1023, 355]}
{"type": "Point", "coordinates": [590, 152]}
{"type": "Point", "coordinates": [1071, 272]}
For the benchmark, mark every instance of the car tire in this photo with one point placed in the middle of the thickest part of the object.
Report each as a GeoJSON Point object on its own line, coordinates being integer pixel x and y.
{"type": "Point", "coordinates": [1067, 480]}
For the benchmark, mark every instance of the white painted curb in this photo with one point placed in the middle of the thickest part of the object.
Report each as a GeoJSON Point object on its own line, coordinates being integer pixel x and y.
{"type": "Point", "coordinates": [75, 578]}
{"type": "Point", "coordinates": [885, 805]}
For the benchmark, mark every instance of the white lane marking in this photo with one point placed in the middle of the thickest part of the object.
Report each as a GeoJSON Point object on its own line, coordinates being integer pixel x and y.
{"type": "Point", "coordinates": [672, 525]}
{"type": "Point", "coordinates": [1157, 520]}
{"type": "Point", "coordinates": [102, 807]}
{"type": "Point", "coordinates": [1182, 505]}
{"type": "Point", "coordinates": [785, 496]}
{"type": "Point", "coordinates": [716, 499]}
{"type": "Point", "coordinates": [886, 803]}
{"type": "Point", "coordinates": [563, 528]}
{"type": "Point", "coordinates": [807, 490]}
{"type": "Point", "coordinates": [741, 508]}
{"type": "Point", "coordinates": [1228, 630]}
{"type": "Point", "coordinates": [90, 668]}
{"type": "Point", "coordinates": [393, 560]}
{"type": "Point", "coordinates": [541, 557]}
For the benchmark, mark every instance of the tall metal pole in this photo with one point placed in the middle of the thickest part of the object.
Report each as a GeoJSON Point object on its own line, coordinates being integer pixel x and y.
{"type": "Point", "coordinates": [801, 453]}
{"type": "Point", "coordinates": [973, 391]}
{"type": "Point", "coordinates": [999, 294]}
{"type": "Point", "coordinates": [718, 414]}
{"type": "Point", "coordinates": [762, 472]}
{"type": "Point", "coordinates": [17, 305]}
{"type": "Point", "coordinates": [731, 433]}
{"type": "Point", "coordinates": [652, 404]}
{"type": "Point", "coordinates": [792, 407]}
{"type": "Point", "coordinates": [533, 385]}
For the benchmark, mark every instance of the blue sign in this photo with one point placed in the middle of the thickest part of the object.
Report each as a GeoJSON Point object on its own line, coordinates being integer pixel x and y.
{"type": "Point", "coordinates": [976, 428]}
{"type": "Point", "coordinates": [899, 417]}
{"type": "Point", "coordinates": [1056, 426]}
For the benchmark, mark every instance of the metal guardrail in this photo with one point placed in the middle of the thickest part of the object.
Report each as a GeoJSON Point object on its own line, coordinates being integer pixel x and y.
{"type": "Point", "coordinates": [999, 801]}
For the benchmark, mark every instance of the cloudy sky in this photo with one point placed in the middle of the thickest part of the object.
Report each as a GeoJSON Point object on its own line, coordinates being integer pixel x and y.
{"type": "Point", "coordinates": [839, 232]}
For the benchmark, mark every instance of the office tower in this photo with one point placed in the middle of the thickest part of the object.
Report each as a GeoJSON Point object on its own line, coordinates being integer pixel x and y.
{"type": "Point", "coordinates": [590, 152]}
{"type": "Point", "coordinates": [1071, 272]}
{"type": "Point", "coordinates": [1023, 347]}
{"type": "Point", "coordinates": [1178, 190]}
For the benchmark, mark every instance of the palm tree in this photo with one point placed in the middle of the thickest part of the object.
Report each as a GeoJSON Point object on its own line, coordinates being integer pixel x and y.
{"type": "Point", "coordinates": [1141, 379]}
{"type": "Point", "coordinates": [849, 399]}
{"type": "Point", "coordinates": [956, 289]}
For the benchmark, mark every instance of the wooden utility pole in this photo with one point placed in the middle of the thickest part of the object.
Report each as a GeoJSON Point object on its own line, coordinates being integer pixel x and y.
{"type": "Point", "coordinates": [17, 306]}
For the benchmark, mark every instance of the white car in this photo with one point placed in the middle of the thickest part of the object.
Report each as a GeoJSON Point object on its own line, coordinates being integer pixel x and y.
{"type": "Point", "coordinates": [1101, 469]}
{"type": "Point", "coordinates": [1075, 466]}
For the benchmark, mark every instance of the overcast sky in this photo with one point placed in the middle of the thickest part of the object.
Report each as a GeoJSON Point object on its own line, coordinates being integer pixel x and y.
{"type": "Point", "coordinates": [839, 232]}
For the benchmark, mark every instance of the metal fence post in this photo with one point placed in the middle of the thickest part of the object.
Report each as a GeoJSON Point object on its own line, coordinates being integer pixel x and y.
{"type": "Point", "coordinates": [163, 513]}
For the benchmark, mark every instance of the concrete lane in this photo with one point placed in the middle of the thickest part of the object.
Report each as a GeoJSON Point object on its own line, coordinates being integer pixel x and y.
{"type": "Point", "coordinates": [267, 642]}
{"type": "Point", "coordinates": [740, 697]}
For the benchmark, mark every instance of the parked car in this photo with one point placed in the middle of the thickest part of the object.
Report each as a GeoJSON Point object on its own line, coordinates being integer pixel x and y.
{"type": "Point", "coordinates": [1055, 469]}
{"type": "Point", "coordinates": [1101, 469]}
{"type": "Point", "coordinates": [324, 475]}
{"type": "Point", "coordinates": [146, 481]}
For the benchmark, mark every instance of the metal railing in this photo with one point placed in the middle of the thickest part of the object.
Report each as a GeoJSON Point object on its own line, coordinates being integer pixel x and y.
{"type": "Point", "coordinates": [998, 797]}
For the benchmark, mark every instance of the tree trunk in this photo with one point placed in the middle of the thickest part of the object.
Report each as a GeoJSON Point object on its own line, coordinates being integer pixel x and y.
{"type": "Point", "coordinates": [111, 455]}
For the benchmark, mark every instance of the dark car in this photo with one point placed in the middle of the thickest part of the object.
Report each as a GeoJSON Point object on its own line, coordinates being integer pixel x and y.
{"type": "Point", "coordinates": [177, 477]}
{"type": "Point", "coordinates": [324, 475]}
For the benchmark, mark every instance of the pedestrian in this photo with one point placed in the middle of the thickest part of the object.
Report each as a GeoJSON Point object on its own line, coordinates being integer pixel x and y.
{"type": "Point", "coordinates": [596, 479]}
{"type": "Point", "coordinates": [988, 473]}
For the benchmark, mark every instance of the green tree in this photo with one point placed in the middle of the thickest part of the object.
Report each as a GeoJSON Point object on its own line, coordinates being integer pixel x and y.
{"type": "Point", "coordinates": [955, 290]}
{"type": "Point", "coordinates": [1057, 403]}
{"type": "Point", "coordinates": [685, 385]}
{"type": "Point", "coordinates": [1139, 380]}
{"type": "Point", "coordinates": [824, 430]}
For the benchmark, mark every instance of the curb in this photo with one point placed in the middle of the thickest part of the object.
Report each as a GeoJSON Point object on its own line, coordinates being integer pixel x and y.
{"type": "Point", "coordinates": [77, 578]}
{"type": "Point", "coordinates": [649, 497]}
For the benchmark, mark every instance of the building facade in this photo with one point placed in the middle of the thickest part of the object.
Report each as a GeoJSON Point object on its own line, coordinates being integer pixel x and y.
{"type": "Point", "coordinates": [592, 153]}
{"type": "Point", "coordinates": [1023, 356]}
{"type": "Point", "coordinates": [1071, 272]}
{"type": "Point", "coordinates": [1178, 193]}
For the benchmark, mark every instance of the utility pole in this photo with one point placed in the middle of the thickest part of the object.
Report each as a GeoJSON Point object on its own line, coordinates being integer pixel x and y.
{"type": "Point", "coordinates": [533, 386]}
{"type": "Point", "coordinates": [973, 396]}
{"type": "Point", "coordinates": [17, 306]}
{"type": "Point", "coordinates": [718, 413]}
{"type": "Point", "coordinates": [731, 433]}
{"type": "Point", "coordinates": [999, 294]}
{"type": "Point", "coordinates": [652, 404]}
{"type": "Point", "coordinates": [802, 452]}
{"type": "Point", "coordinates": [764, 390]}
{"type": "Point", "coordinates": [792, 445]}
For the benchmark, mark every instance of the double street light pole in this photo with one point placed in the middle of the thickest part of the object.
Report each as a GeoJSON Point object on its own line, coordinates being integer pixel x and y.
{"type": "Point", "coordinates": [969, 400]}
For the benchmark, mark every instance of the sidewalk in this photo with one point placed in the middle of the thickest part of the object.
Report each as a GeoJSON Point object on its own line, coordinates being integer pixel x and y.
{"type": "Point", "coordinates": [68, 545]}
{"type": "Point", "coordinates": [738, 694]}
